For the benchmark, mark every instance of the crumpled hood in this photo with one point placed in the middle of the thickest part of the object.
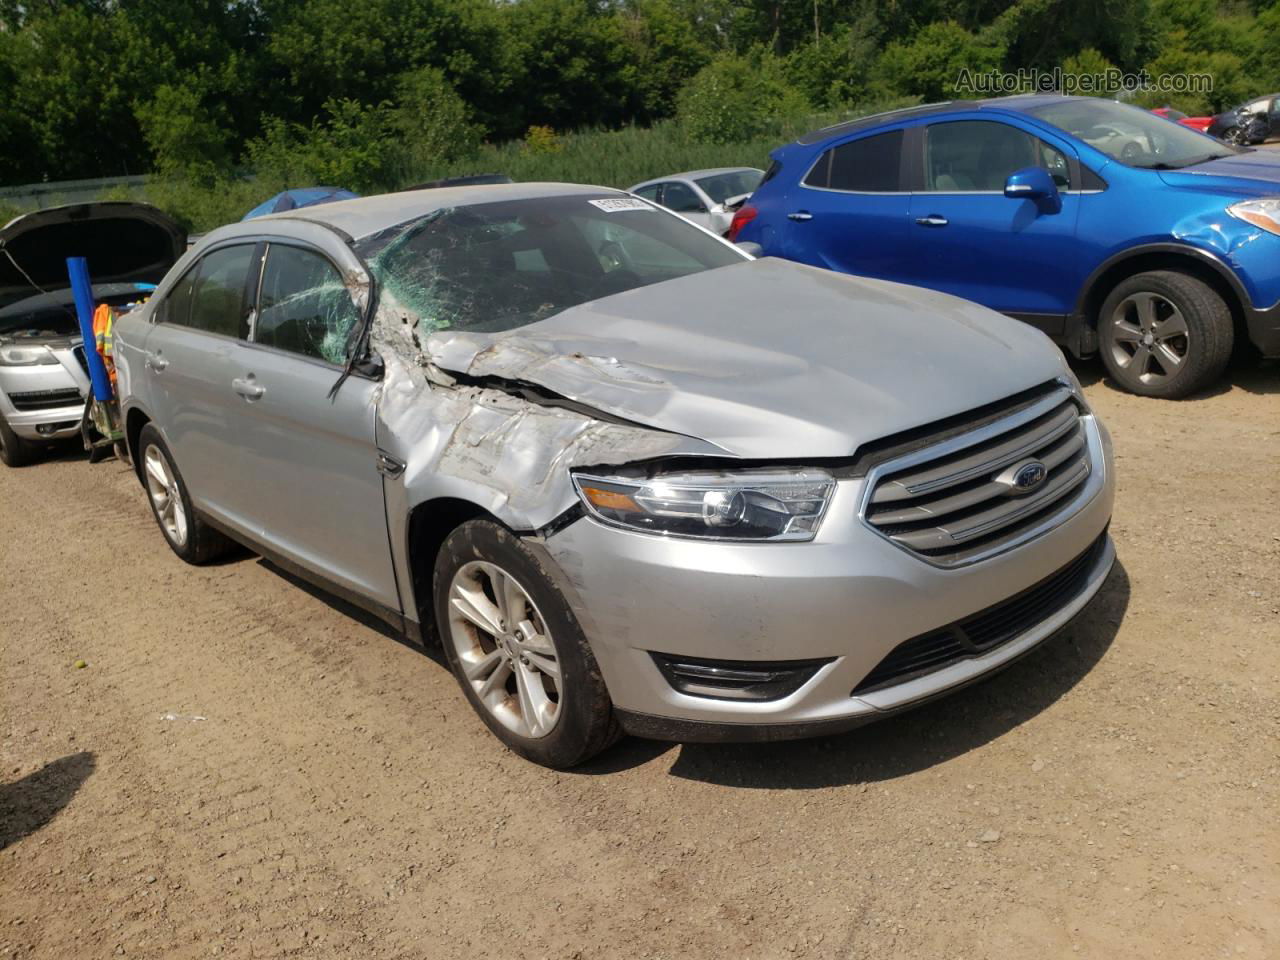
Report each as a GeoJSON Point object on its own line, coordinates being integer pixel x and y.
{"type": "Point", "coordinates": [767, 358]}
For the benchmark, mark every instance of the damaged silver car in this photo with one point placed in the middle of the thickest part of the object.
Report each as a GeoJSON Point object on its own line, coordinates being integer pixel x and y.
{"type": "Point", "coordinates": [632, 479]}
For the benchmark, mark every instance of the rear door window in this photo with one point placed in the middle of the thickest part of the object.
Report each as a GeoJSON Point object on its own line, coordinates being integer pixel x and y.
{"type": "Point", "coordinates": [680, 198]}
{"type": "Point", "coordinates": [868, 165]}
{"type": "Point", "coordinates": [303, 305]}
{"type": "Point", "coordinates": [218, 295]}
{"type": "Point", "coordinates": [650, 192]}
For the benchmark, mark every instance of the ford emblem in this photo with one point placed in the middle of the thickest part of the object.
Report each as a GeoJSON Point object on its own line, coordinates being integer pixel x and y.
{"type": "Point", "coordinates": [1029, 476]}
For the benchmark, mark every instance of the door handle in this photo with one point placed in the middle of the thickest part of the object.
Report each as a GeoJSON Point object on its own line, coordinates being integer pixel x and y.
{"type": "Point", "coordinates": [248, 388]}
{"type": "Point", "coordinates": [156, 361]}
{"type": "Point", "coordinates": [800, 215]}
{"type": "Point", "coordinates": [932, 220]}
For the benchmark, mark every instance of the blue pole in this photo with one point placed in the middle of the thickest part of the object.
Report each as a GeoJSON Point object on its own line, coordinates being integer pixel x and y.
{"type": "Point", "coordinates": [78, 270]}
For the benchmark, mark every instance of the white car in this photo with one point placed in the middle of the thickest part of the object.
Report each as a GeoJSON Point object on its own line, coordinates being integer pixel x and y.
{"type": "Point", "coordinates": [705, 197]}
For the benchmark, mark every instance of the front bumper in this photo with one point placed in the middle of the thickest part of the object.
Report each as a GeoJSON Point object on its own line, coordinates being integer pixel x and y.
{"type": "Point", "coordinates": [848, 595]}
{"type": "Point", "coordinates": [32, 419]}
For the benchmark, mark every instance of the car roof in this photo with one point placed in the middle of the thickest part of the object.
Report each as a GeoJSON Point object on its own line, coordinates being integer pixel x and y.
{"type": "Point", "coordinates": [695, 175]}
{"type": "Point", "coordinates": [1018, 103]}
{"type": "Point", "coordinates": [370, 215]}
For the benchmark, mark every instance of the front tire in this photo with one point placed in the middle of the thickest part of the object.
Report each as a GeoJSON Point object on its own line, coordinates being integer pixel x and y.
{"type": "Point", "coordinates": [517, 650]}
{"type": "Point", "coordinates": [1234, 136]}
{"type": "Point", "coordinates": [1165, 334]}
{"type": "Point", "coordinates": [14, 450]}
{"type": "Point", "coordinates": [186, 533]}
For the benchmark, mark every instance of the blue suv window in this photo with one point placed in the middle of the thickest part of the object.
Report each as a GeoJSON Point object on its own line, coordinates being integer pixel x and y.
{"type": "Point", "coordinates": [868, 165]}
{"type": "Point", "coordinates": [978, 156]}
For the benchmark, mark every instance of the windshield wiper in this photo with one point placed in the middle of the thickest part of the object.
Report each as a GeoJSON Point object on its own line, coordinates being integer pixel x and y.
{"type": "Point", "coordinates": [1214, 156]}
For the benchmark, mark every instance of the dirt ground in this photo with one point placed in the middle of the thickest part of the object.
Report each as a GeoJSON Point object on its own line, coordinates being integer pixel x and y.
{"type": "Point", "coordinates": [245, 768]}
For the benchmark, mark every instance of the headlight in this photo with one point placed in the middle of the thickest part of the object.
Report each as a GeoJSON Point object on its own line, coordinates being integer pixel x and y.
{"type": "Point", "coordinates": [746, 505]}
{"type": "Point", "coordinates": [26, 356]}
{"type": "Point", "coordinates": [1069, 380]}
{"type": "Point", "coordinates": [1263, 214]}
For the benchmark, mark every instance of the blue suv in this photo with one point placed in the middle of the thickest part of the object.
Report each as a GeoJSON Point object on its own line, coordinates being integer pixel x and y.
{"type": "Point", "coordinates": [1111, 229]}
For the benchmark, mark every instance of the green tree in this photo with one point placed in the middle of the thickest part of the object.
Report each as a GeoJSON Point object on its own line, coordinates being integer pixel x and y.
{"type": "Point", "coordinates": [836, 70]}
{"type": "Point", "coordinates": [185, 138]}
{"type": "Point", "coordinates": [736, 97]}
{"type": "Point", "coordinates": [575, 64]}
{"type": "Point", "coordinates": [1231, 84]}
{"type": "Point", "coordinates": [1079, 73]}
{"type": "Point", "coordinates": [1264, 65]}
{"type": "Point", "coordinates": [326, 49]}
{"type": "Point", "coordinates": [663, 51]}
{"type": "Point", "coordinates": [931, 62]}
{"type": "Point", "coordinates": [352, 146]}
{"type": "Point", "coordinates": [434, 123]}
{"type": "Point", "coordinates": [77, 106]}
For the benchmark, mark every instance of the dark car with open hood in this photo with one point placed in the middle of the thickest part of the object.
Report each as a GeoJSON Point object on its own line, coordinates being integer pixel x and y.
{"type": "Point", "coordinates": [1253, 122]}
{"type": "Point", "coordinates": [43, 372]}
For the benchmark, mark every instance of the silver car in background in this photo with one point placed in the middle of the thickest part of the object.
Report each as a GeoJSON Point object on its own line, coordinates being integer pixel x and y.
{"type": "Point", "coordinates": [44, 376]}
{"type": "Point", "coordinates": [632, 479]}
{"type": "Point", "coordinates": [708, 198]}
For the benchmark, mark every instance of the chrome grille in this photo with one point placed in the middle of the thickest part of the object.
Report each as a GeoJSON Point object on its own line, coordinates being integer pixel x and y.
{"type": "Point", "coordinates": [958, 500]}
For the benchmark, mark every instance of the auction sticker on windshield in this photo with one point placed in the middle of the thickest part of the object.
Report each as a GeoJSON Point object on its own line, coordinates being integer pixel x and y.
{"type": "Point", "coordinates": [618, 204]}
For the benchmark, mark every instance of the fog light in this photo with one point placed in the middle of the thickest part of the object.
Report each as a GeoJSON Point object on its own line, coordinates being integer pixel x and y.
{"type": "Point", "coordinates": [736, 680]}
{"type": "Point", "coordinates": [47, 429]}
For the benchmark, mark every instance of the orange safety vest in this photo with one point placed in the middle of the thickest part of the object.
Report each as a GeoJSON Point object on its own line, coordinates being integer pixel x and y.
{"type": "Point", "coordinates": [103, 320]}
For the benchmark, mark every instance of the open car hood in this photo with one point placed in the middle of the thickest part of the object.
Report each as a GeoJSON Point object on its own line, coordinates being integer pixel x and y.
{"type": "Point", "coordinates": [122, 242]}
{"type": "Point", "coordinates": [767, 359]}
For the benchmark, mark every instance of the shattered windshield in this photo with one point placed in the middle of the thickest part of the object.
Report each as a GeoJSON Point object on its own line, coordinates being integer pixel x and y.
{"type": "Point", "coordinates": [497, 266]}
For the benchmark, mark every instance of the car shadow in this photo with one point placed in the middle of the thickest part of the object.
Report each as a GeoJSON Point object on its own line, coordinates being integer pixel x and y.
{"type": "Point", "coordinates": [1247, 373]}
{"type": "Point", "coordinates": [430, 650]}
{"type": "Point", "coordinates": [60, 451]}
{"type": "Point", "coordinates": [912, 741]}
{"type": "Point", "coordinates": [891, 748]}
{"type": "Point", "coordinates": [28, 804]}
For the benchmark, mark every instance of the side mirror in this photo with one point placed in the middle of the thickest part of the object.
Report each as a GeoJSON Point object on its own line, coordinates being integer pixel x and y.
{"type": "Point", "coordinates": [1036, 184]}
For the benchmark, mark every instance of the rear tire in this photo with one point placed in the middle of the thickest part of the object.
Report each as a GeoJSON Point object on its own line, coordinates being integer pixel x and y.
{"type": "Point", "coordinates": [186, 533]}
{"type": "Point", "coordinates": [14, 450]}
{"type": "Point", "coordinates": [1165, 334]}
{"type": "Point", "coordinates": [530, 675]}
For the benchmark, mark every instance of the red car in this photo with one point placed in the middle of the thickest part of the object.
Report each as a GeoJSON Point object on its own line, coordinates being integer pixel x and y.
{"type": "Point", "coordinates": [1195, 123]}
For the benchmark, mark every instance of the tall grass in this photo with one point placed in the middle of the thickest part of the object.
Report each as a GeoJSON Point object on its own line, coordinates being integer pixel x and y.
{"type": "Point", "coordinates": [615, 158]}
{"type": "Point", "coordinates": [620, 158]}
{"type": "Point", "coordinates": [609, 158]}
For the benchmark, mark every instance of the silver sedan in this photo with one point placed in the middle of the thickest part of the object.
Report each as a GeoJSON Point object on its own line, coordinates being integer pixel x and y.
{"type": "Point", "coordinates": [630, 478]}
{"type": "Point", "coordinates": [708, 198]}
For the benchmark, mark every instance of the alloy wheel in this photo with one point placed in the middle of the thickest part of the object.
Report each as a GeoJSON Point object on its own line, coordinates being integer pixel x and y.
{"type": "Point", "coordinates": [505, 649]}
{"type": "Point", "coordinates": [1149, 337]}
{"type": "Point", "coordinates": [166, 498]}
